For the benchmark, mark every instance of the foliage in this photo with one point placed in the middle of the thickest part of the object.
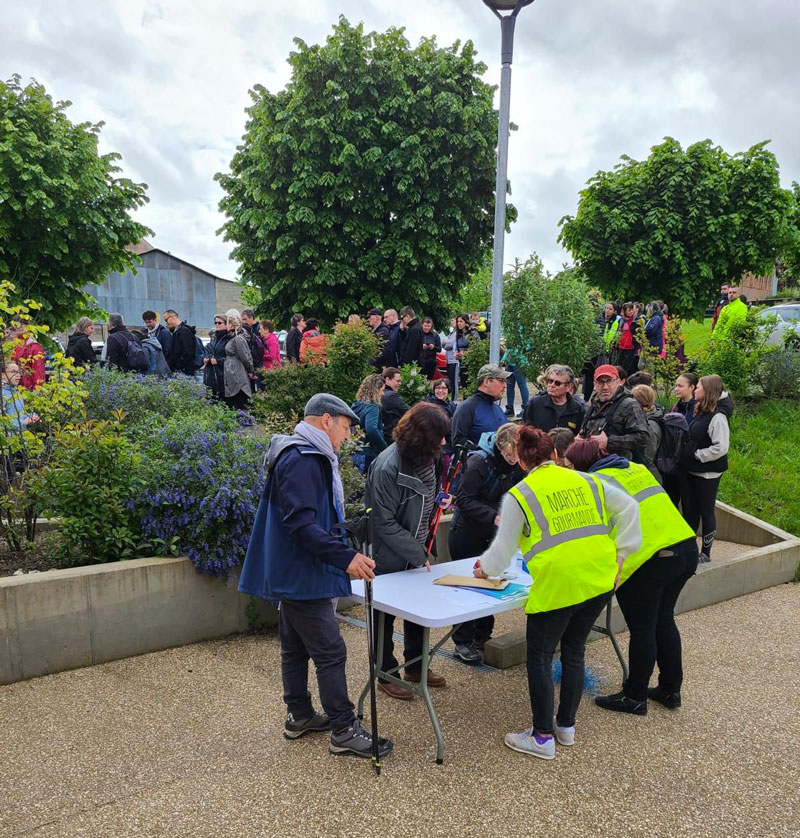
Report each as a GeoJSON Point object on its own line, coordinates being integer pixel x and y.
{"type": "Point", "coordinates": [64, 211]}
{"type": "Point", "coordinates": [548, 319]}
{"type": "Point", "coordinates": [88, 486]}
{"type": "Point", "coordinates": [778, 374]}
{"type": "Point", "coordinates": [350, 355]}
{"type": "Point", "coordinates": [204, 490]}
{"type": "Point", "coordinates": [474, 358]}
{"type": "Point", "coordinates": [353, 481]}
{"type": "Point", "coordinates": [763, 477]}
{"type": "Point", "coordinates": [372, 172]}
{"type": "Point", "coordinates": [665, 370]}
{"type": "Point", "coordinates": [286, 390]}
{"type": "Point", "coordinates": [736, 354]}
{"type": "Point", "coordinates": [476, 293]}
{"type": "Point", "coordinates": [674, 226]}
{"type": "Point", "coordinates": [791, 254]}
{"type": "Point", "coordinates": [414, 386]}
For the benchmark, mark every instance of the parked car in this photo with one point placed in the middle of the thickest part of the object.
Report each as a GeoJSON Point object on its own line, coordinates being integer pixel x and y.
{"type": "Point", "coordinates": [787, 326]}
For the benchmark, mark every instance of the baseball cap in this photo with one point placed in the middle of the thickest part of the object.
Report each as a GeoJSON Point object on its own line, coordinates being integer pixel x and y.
{"type": "Point", "coordinates": [607, 370]}
{"type": "Point", "coordinates": [491, 371]}
{"type": "Point", "coordinates": [375, 311]}
{"type": "Point", "coordinates": [326, 403]}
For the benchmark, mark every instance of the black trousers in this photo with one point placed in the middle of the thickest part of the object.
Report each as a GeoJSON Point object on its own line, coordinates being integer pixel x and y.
{"type": "Point", "coordinates": [463, 544]}
{"type": "Point", "coordinates": [238, 402]}
{"type": "Point", "coordinates": [412, 643]}
{"type": "Point", "coordinates": [647, 601]}
{"type": "Point", "coordinates": [698, 499]}
{"type": "Point", "coordinates": [309, 630]}
{"type": "Point", "coordinates": [570, 626]}
{"type": "Point", "coordinates": [673, 486]}
{"type": "Point", "coordinates": [629, 360]}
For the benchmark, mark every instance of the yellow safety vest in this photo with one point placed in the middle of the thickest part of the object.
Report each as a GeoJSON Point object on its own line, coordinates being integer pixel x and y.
{"type": "Point", "coordinates": [566, 543]}
{"type": "Point", "coordinates": [662, 524]}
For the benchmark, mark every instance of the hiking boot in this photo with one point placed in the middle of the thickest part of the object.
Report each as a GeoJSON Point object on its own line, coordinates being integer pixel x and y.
{"type": "Point", "coordinates": [357, 740]}
{"type": "Point", "coordinates": [467, 653]}
{"type": "Point", "coordinates": [294, 729]}
{"type": "Point", "coordinates": [434, 680]}
{"type": "Point", "coordinates": [620, 703]}
{"type": "Point", "coordinates": [564, 735]}
{"type": "Point", "coordinates": [670, 700]}
{"type": "Point", "coordinates": [534, 744]}
{"type": "Point", "coordinates": [395, 691]}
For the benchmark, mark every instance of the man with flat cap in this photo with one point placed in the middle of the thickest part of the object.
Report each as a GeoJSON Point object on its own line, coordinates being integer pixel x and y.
{"type": "Point", "coordinates": [294, 561]}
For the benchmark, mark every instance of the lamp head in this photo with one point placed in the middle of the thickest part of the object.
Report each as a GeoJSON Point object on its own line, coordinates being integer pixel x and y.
{"type": "Point", "coordinates": [506, 5]}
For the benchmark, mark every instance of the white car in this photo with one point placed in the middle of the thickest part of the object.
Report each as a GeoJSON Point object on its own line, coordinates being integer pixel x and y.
{"type": "Point", "coordinates": [788, 323]}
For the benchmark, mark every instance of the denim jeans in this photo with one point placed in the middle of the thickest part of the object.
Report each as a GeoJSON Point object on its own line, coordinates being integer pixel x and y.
{"type": "Point", "coordinates": [518, 378]}
{"type": "Point", "coordinates": [647, 601]}
{"type": "Point", "coordinates": [309, 629]}
{"type": "Point", "coordinates": [570, 626]}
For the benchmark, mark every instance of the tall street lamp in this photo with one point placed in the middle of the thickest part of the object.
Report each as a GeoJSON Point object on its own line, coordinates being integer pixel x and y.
{"type": "Point", "coordinates": [512, 9]}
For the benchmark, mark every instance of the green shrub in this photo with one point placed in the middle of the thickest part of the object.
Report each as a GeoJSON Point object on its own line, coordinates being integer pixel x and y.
{"type": "Point", "coordinates": [779, 374]}
{"type": "Point", "coordinates": [350, 355]}
{"type": "Point", "coordinates": [474, 358]}
{"type": "Point", "coordinates": [89, 485]}
{"type": "Point", "coordinates": [286, 390]}
{"type": "Point", "coordinates": [414, 386]}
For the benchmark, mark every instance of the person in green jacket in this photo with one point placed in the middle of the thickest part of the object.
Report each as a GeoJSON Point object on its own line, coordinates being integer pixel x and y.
{"type": "Point", "coordinates": [734, 312]}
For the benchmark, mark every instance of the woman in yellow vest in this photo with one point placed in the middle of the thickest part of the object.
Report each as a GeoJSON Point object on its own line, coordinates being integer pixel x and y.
{"type": "Point", "coordinates": [562, 522]}
{"type": "Point", "coordinates": [650, 581]}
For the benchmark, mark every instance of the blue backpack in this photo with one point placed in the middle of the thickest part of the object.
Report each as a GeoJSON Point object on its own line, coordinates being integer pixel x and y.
{"type": "Point", "coordinates": [199, 353]}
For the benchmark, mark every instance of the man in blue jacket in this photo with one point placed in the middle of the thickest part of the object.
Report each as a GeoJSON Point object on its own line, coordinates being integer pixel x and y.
{"type": "Point", "coordinates": [293, 560]}
{"type": "Point", "coordinates": [480, 413]}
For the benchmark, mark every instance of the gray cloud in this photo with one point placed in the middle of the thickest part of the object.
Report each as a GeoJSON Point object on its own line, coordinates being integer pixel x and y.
{"type": "Point", "coordinates": [591, 81]}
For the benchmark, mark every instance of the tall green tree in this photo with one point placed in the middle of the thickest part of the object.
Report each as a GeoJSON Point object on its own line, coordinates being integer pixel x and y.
{"type": "Point", "coordinates": [791, 255]}
{"type": "Point", "coordinates": [368, 180]}
{"type": "Point", "coordinates": [674, 226]}
{"type": "Point", "coordinates": [64, 219]}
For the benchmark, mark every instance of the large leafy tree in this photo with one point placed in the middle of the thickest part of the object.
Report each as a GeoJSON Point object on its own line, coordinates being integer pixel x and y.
{"type": "Point", "coordinates": [674, 226]}
{"type": "Point", "coordinates": [64, 218]}
{"type": "Point", "coordinates": [369, 180]}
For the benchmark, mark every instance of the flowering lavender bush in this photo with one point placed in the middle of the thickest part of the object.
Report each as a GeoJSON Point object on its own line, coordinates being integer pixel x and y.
{"type": "Point", "coordinates": [204, 485]}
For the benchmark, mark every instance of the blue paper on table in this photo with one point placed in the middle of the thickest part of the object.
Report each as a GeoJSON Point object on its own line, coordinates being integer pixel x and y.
{"type": "Point", "coordinates": [513, 591]}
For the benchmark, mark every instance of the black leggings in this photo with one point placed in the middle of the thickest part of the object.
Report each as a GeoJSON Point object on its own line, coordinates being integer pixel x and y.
{"type": "Point", "coordinates": [698, 499]}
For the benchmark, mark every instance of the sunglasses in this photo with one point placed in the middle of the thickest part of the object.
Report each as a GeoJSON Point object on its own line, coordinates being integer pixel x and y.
{"type": "Point", "coordinates": [219, 322]}
{"type": "Point", "coordinates": [556, 383]}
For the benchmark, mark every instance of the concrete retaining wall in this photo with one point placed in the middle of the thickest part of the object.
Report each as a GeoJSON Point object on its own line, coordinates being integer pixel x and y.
{"type": "Point", "coordinates": [62, 619]}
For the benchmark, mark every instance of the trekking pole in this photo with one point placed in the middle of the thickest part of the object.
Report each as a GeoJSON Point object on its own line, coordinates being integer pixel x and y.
{"type": "Point", "coordinates": [455, 466]}
{"type": "Point", "coordinates": [371, 651]}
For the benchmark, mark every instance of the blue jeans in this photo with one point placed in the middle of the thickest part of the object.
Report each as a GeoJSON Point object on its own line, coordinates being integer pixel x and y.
{"type": "Point", "coordinates": [309, 629]}
{"type": "Point", "coordinates": [518, 378]}
{"type": "Point", "coordinates": [570, 626]}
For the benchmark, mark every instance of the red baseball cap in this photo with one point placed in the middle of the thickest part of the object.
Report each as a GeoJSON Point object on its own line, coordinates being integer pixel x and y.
{"type": "Point", "coordinates": [607, 370]}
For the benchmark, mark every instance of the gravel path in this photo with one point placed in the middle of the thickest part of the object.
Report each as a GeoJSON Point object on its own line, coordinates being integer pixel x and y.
{"type": "Point", "coordinates": [188, 742]}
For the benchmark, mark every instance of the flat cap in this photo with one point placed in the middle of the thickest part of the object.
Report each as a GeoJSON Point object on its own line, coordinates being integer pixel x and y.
{"type": "Point", "coordinates": [326, 403]}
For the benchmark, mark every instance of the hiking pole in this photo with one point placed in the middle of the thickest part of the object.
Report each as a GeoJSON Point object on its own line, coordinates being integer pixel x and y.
{"type": "Point", "coordinates": [371, 651]}
{"type": "Point", "coordinates": [455, 466]}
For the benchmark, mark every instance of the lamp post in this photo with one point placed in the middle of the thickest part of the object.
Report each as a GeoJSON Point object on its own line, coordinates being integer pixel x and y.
{"type": "Point", "coordinates": [507, 21]}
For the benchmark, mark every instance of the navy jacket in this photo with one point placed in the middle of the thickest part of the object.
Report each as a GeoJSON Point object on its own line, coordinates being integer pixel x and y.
{"type": "Point", "coordinates": [292, 554]}
{"type": "Point", "coordinates": [475, 416]}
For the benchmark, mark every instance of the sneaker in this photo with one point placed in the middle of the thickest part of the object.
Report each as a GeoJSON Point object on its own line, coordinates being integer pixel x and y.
{"type": "Point", "coordinates": [467, 653]}
{"type": "Point", "coordinates": [564, 735]}
{"type": "Point", "coordinates": [534, 744]}
{"type": "Point", "coordinates": [509, 411]}
{"type": "Point", "coordinates": [620, 703]}
{"type": "Point", "coordinates": [357, 740]}
{"type": "Point", "coordinates": [703, 558]}
{"type": "Point", "coordinates": [294, 729]}
{"type": "Point", "coordinates": [670, 700]}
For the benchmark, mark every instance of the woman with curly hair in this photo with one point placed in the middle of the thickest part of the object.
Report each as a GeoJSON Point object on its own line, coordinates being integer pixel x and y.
{"type": "Point", "coordinates": [367, 407]}
{"type": "Point", "coordinates": [401, 489]}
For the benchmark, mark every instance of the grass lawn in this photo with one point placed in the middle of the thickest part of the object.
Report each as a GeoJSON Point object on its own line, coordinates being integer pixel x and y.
{"type": "Point", "coordinates": [764, 474]}
{"type": "Point", "coordinates": [696, 334]}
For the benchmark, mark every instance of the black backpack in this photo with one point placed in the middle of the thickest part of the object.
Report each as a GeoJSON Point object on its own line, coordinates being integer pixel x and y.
{"type": "Point", "coordinates": [136, 357]}
{"type": "Point", "coordinates": [674, 442]}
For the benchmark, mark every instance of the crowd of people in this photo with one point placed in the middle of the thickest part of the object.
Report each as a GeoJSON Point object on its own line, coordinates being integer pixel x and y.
{"type": "Point", "coordinates": [601, 492]}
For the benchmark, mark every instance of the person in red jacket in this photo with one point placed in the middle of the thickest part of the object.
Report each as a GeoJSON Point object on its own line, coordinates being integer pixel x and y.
{"type": "Point", "coordinates": [29, 355]}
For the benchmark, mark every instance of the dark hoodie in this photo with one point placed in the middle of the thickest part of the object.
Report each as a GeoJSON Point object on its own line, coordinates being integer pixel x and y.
{"type": "Point", "coordinates": [610, 461]}
{"type": "Point", "coordinates": [180, 356]}
{"type": "Point", "coordinates": [79, 348]}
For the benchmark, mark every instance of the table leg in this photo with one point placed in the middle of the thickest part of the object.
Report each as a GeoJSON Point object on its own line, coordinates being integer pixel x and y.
{"type": "Point", "coordinates": [426, 696]}
{"type": "Point", "coordinates": [608, 631]}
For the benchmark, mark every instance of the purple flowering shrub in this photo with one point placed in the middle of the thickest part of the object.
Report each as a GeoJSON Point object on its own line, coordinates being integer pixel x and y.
{"type": "Point", "coordinates": [204, 484]}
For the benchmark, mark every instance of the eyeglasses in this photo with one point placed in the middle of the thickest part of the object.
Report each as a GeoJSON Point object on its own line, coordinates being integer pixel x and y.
{"type": "Point", "coordinates": [556, 383]}
{"type": "Point", "coordinates": [604, 382]}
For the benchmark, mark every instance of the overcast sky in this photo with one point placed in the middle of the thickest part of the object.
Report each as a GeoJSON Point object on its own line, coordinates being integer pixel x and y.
{"type": "Point", "coordinates": [592, 79]}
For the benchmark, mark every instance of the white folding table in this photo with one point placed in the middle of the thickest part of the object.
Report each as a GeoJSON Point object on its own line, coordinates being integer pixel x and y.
{"type": "Point", "coordinates": [412, 595]}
